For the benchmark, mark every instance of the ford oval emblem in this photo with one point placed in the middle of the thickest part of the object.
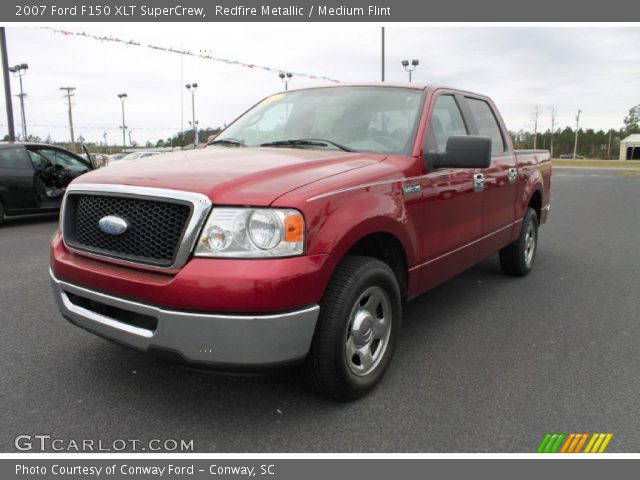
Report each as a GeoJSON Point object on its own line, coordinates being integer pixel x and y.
{"type": "Point", "coordinates": [113, 225]}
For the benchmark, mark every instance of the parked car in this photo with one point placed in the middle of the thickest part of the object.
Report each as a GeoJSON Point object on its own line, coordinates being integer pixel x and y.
{"type": "Point", "coordinates": [300, 232]}
{"type": "Point", "coordinates": [136, 156]}
{"type": "Point", "coordinates": [570, 155]}
{"type": "Point", "coordinates": [98, 160]}
{"type": "Point", "coordinates": [116, 156]}
{"type": "Point", "coordinates": [33, 177]}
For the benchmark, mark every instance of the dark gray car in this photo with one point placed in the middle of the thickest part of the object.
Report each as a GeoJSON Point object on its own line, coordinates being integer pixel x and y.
{"type": "Point", "coordinates": [33, 177]}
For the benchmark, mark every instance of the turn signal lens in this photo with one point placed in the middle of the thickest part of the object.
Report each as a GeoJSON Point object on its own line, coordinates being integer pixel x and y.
{"type": "Point", "coordinates": [293, 228]}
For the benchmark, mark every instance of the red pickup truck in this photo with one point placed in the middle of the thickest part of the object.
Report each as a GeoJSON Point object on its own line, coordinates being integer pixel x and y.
{"type": "Point", "coordinates": [301, 230]}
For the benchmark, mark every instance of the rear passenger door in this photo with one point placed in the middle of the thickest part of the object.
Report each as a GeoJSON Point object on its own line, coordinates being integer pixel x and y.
{"type": "Point", "coordinates": [452, 208]}
{"type": "Point", "coordinates": [16, 179]}
{"type": "Point", "coordinates": [500, 179]}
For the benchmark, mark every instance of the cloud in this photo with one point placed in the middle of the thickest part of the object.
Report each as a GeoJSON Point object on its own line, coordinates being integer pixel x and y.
{"type": "Point", "coordinates": [594, 69]}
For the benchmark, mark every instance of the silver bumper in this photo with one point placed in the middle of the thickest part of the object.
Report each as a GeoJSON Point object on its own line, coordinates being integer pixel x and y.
{"type": "Point", "coordinates": [201, 338]}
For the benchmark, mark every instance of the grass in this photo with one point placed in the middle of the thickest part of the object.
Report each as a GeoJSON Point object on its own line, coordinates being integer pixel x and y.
{"type": "Point", "coordinates": [596, 163]}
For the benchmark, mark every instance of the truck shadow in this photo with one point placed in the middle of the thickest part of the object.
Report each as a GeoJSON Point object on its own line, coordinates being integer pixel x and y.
{"type": "Point", "coordinates": [188, 401]}
{"type": "Point", "coordinates": [419, 316]}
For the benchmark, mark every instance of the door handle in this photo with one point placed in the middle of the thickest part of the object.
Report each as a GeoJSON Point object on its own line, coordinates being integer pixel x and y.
{"type": "Point", "coordinates": [478, 182]}
{"type": "Point", "coordinates": [512, 174]}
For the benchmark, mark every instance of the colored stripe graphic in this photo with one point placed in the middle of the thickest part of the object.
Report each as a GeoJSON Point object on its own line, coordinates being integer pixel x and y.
{"type": "Point", "coordinates": [581, 443]}
{"type": "Point", "coordinates": [551, 442]}
{"type": "Point", "coordinates": [543, 443]}
{"type": "Point", "coordinates": [598, 443]}
{"type": "Point", "coordinates": [573, 442]}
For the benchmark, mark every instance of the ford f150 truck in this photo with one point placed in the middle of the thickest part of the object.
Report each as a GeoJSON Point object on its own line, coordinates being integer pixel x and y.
{"type": "Point", "coordinates": [300, 232]}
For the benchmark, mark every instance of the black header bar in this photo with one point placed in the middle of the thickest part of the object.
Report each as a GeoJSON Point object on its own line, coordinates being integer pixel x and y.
{"type": "Point", "coordinates": [320, 11]}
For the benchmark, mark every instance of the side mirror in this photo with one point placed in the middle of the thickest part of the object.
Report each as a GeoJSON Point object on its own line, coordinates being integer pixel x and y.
{"type": "Point", "coordinates": [465, 151]}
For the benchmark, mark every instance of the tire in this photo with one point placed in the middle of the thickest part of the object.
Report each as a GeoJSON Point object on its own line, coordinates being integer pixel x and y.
{"type": "Point", "coordinates": [517, 258]}
{"type": "Point", "coordinates": [360, 315]}
{"type": "Point", "coordinates": [1, 213]}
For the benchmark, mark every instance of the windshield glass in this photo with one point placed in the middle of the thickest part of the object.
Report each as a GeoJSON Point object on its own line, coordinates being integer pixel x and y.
{"type": "Point", "coordinates": [378, 119]}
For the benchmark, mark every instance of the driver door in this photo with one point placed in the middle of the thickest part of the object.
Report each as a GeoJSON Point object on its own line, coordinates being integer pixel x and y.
{"type": "Point", "coordinates": [452, 219]}
{"type": "Point", "coordinates": [54, 170]}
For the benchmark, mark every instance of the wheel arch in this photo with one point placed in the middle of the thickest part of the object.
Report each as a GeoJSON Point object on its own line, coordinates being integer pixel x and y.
{"type": "Point", "coordinates": [384, 240]}
{"type": "Point", "coordinates": [535, 202]}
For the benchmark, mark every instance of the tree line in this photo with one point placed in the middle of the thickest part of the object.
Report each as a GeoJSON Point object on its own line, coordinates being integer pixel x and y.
{"type": "Point", "coordinates": [591, 143]}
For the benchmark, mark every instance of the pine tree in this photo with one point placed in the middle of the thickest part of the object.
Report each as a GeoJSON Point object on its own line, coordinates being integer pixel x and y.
{"type": "Point", "coordinates": [632, 121]}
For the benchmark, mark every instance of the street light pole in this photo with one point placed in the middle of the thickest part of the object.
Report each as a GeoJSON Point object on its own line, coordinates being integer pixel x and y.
{"type": "Point", "coordinates": [20, 71]}
{"type": "Point", "coordinates": [382, 56]}
{"type": "Point", "coordinates": [410, 67]}
{"type": "Point", "coordinates": [286, 78]}
{"type": "Point", "coordinates": [192, 88]}
{"type": "Point", "coordinates": [575, 143]}
{"type": "Point", "coordinates": [122, 97]}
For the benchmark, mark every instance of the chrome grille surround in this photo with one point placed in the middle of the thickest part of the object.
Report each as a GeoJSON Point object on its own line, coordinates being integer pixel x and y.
{"type": "Point", "coordinates": [200, 207]}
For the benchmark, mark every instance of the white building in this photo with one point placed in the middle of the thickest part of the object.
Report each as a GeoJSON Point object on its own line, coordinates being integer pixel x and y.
{"type": "Point", "coordinates": [630, 147]}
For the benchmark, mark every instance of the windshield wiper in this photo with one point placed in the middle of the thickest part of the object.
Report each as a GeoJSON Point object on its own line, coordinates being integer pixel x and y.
{"type": "Point", "coordinates": [307, 142]}
{"type": "Point", "coordinates": [228, 141]}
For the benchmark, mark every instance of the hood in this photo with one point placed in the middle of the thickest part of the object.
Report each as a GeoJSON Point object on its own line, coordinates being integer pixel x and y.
{"type": "Point", "coordinates": [233, 176]}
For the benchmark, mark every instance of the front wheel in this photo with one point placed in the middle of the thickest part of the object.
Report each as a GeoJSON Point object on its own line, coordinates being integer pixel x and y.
{"type": "Point", "coordinates": [357, 329]}
{"type": "Point", "coordinates": [517, 258]}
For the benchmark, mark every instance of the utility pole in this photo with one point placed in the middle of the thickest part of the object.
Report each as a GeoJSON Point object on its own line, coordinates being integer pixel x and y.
{"type": "Point", "coordinates": [383, 54]}
{"type": "Point", "coordinates": [21, 95]}
{"type": "Point", "coordinates": [575, 143]}
{"type": "Point", "coordinates": [609, 146]}
{"type": "Point", "coordinates": [122, 97]}
{"type": "Point", "coordinates": [20, 71]}
{"type": "Point", "coordinates": [69, 94]}
{"type": "Point", "coordinates": [554, 113]}
{"type": "Point", "coordinates": [7, 84]}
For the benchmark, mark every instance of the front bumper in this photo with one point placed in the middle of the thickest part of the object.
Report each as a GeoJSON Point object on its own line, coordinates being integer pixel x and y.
{"type": "Point", "coordinates": [206, 339]}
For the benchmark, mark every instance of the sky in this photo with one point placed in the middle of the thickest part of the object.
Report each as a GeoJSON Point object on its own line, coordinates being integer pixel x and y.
{"type": "Point", "coordinates": [594, 69]}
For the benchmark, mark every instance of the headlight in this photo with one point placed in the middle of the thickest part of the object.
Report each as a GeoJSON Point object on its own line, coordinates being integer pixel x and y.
{"type": "Point", "coordinates": [252, 233]}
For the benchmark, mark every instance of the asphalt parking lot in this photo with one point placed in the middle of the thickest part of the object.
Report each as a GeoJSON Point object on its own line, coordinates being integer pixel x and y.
{"type": "Point", "coordinates": [486, 363]}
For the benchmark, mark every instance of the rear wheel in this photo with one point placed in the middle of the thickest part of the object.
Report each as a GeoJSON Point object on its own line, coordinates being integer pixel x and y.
{"type": "Point", "coordinates": [517, 259]}
{"type": "Point", "coordinates": [357, 329]}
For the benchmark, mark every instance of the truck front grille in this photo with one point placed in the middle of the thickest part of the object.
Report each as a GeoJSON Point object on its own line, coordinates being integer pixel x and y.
{"type": "Point", "coordinates": [155, 229]}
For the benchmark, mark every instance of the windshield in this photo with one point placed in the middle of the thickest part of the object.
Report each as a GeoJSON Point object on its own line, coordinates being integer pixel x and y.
{"type": "Point", "coordinates": [377, 119]}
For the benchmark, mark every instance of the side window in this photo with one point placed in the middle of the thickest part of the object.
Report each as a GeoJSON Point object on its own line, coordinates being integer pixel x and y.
{"type": "Point", "coordinates": [43, 156]}
{"type": "Point", "coordinates": [486, 123]}
{"type": "Point", "coordinates": [39, 161]}
{"type": "Point", "coordinates": [14, 159]}
{"type": "Point", "coordinates": [446, 121]}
